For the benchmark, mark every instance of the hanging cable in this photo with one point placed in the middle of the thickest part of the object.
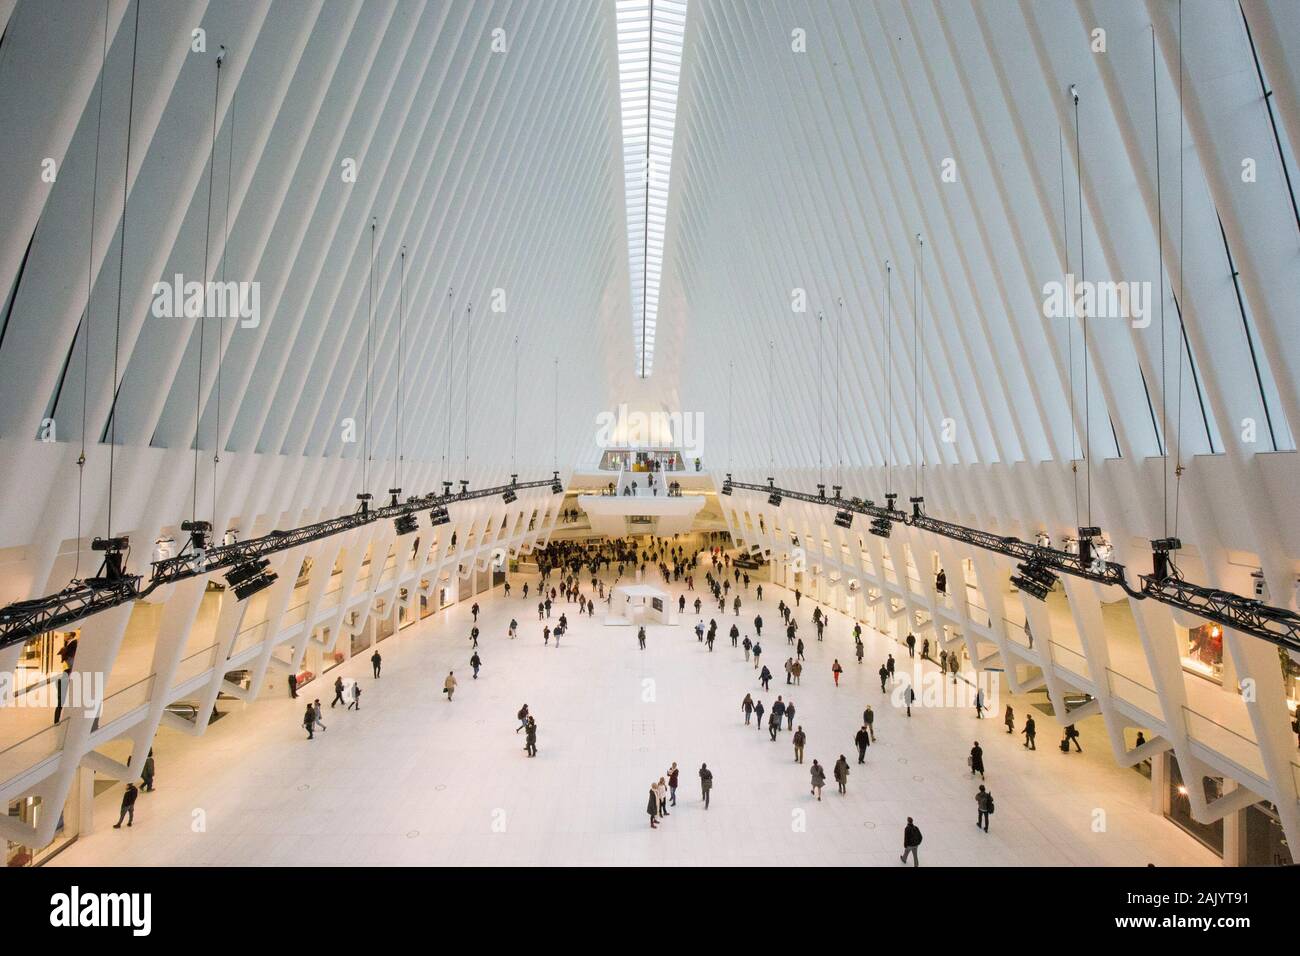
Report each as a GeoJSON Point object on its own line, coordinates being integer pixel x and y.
{"type": "Point", "coordinates": [397, 431]}
{"type": "Point", "coordinates": [203, 316]}
{"type": "Point", "coordinates": [469, 330]}
{"type": "Point", "coordinates": [90, 284]}
{"type": "Point", "coordinates": [731, 378]}
{"type": "Point", "coordinates": [555, 461]}
{"type": "Point", "coordinates": [451, 381]}
{"type": "Point", "coordinates": [771, 406]}
{"type": "Point", "coordinates": [917, 291]}
{"type": "Point", "coordinates": [1160, 261]}
{"type": "Point", "coordinates": [370, 317]}
{"type": "Point", "coordinates": [1069, 330]}
{"type": "Point", "coordinates": [225, 258]}
{"type": "Point", "coordinates": [916, 378]}
{"type": "Point", "coordinates": [889, 374]}
{"type": "Point", "coordinates": [645, 247]}
{"type": "Point", "coordinates": [839, 400]}
{"type": "Point", "coordinates": [121, 266]}
{"type": "Point", "coordinates": [1178, 425]}
{"type": "Point", "coordinates": [1083, 277]}
{"type": "Point", "coordinates": [514, 428]}
{"type": "Point", "coordinates": [821, 400]}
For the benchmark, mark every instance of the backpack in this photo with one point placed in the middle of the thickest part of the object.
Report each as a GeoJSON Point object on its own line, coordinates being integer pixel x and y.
{"type": "Point", "coordinates": [989, 804]}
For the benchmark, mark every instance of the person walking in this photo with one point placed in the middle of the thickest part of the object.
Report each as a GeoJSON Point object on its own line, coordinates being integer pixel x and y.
{"type": "Point", "coordinates": [758, 715]}
{"type": "Point", "coordinates": [309, 722]}
{"type": "Point", "coordinates": [909, 695]}
{"type": "Point", "coordinates": [818, 775]}
{"type": "Point", "coordinates": [356, 697]}
{"type": "Point", "coordinates": [1030, 732]}
{"type": "Point", "coordinates": [1071, 737]}
{"type": "Point", "coordinates": [128, 806]}
{"type": "Point", "coordinates": [836, 670]}
{"type": "Point", "coordinates": [653, 807]}
{"type": "Point", "coordinates": [984, 807]}
{"type": "Point", "coordinates": [640, 637]}
{"type": "Point", "coordinates": [884, 676]}
{"type": "Point", "coordinates": [530, 737]}
{"type": "Point", "coordinates": [911, 843]}
{"type": "Point", "coordinates": [789, 716]}
{"type": "Point", "coordinates": [473, 636]}
{"type": "Point", "coordinates": [773, 723]}
{"type": "Point", "coordinates": [375, 662]}
{"type": "Point", "coordinates": [976, 760]}
{"type": "Point", "coordinates": [796, 670]}
{"type": "Point", "coordinates": [474, 610]}
{"type": "Point", "coordinates": [1009, 718]}
{"type": "Point", "coordinates": [889, 664]}
{"type": "Point", "coordinates": [841, 772]}
{"type": "Point", "coordinates": [146, 775]}
{"type": "Point", "coordinates": [758, 652]}
{"type": "Point", "coordinates": [765, 677]}
{"type": "Point", "coordinates": [869, 718]}
{"type": "Point", "coordinates": [706, 783]}
{"type": "Point", "coordinates": [293, 686]}
{"type": "Point", "coordinates": [661, 791]}
{"type": "Point", "coordinates": [798, 650]}
{"type": "Point", "coordinates": [338, 693]}
{"type": "Point", "coordinates": [522, 717]}
{"type": "Point", "coordinates": [476, 662]}
{"type": "Point", "coordinates": [789, 662]}
{"type": "Point", "coordinates": [449, 685]}
{"type": "Point", "coordinates": [800, 738]}
{"type": "Point", "coordinates": [979, 703]}
{"type": "Point", "coordinates": [513, 626]}
{"type": "Point", "coordinates": [747, 708]}
{"type": "Point", "coordinates": [747, 644]}
{"type": "Point", "coordinates": [316, 708]}
{"type": "Point", "coordinates": [546, 636]}
{"type": "Point", "coordinates": [673, 775]}
{"type": "Point", "coordinates": [863, 740]}
{"type": "Point", "coordinates": [911, 645]}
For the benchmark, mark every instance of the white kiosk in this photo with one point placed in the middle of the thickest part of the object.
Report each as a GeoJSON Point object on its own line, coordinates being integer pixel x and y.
{"type": "Point", "coordinates": [640, 604]}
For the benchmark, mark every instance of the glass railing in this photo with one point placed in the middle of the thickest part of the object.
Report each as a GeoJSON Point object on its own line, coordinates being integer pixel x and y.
{"type": "Point", "coordinates": [249, 636]}
{"type": "Point", "coordinates": [1068, 659]}
{"type": "Point", "coordinates": [26, 753]}
{"type": "Point", "coordinates": [1240, 749]}
{"type": "Point", "coordinates": [194, 665]}
{"type": "Point", "coordinates": [1139, 695]}
{"type": "Point", "coordinates": [122, 702]}
{"type": "Point", "coordinates": [294, 615]}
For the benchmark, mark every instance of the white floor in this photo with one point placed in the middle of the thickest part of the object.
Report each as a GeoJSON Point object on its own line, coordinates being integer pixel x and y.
{"type": "Point", "coordinates": [412, 779]}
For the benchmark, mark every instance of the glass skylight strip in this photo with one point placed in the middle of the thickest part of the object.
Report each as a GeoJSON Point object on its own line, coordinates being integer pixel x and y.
{"type": "Point", "coordinates": [648, 88]}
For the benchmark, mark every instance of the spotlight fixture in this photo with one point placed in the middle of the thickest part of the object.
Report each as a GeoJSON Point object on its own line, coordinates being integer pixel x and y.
{"type": "Point", "coordinates": [726, 485]}
{"type": "Point", "coordinates": [835, 491]}
{"type": "Point", "coordinates": [918, 505]}
{"type": "Point", "coordinates": [1160, 563]}
{"type": "Point", "coordinates": [395, 496]}
{"type": "Point", "coordinates": [844, 519]}
{"type": "Point", "coordinates": [891, 497]}
{"type": "Point", "coordinates": [514, 479]}
{"type": "Point", "coordinates": [114, 567]}
{"type": "Point", "coordinates": [1043, 539]}
{"type": "Point", "coordinates": [464, 487]}
{"type": "Point", "coordinates": [1085, 544]}
{"type": "Point", "coordinates": [250, 577]}
{"type": "Point", "coordinates": [406, 523]}
{"type": "Point", "coordinates": [446, 488]}
{"type": "Point", "coordinates": [199, 532]}
{"type": "Point", "coordinates": [1028, 586]}
{"type": "Point", "coordinates": [508, 496]}
{"type": "Point", "coordinates": [881, 527]}
{"type": "Point", "coordinates": [438, 515]}
{"type": "Point", "coordinates": [364, 498]}
{"type": "Point", "coordinates": [774, 499]}
{"type": "Point", "coordinates": [821, 491]}
{"type": "Point", "coordinates": [557, 487]}
{"type": "Point", "coordinates": [1034, 579]}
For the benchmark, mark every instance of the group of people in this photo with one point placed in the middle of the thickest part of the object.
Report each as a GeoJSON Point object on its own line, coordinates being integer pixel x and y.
{"type": "Point", "coordinates": [663, 792]}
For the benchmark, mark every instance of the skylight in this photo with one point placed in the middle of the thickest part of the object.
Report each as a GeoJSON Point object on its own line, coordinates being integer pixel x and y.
{"type": "Point", "coordinates": [649, 64]}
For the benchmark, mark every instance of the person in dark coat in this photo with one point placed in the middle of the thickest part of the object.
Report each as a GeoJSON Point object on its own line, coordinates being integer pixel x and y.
{"type": "Point", "coordinates": [293, 686]}
{"type": "Point", "coordinates": [309, 722]}
{"type": "Point", "coordinates": [1009, 718]}
{"type": "Point", "coordinates": [476, 662]}
{"type": "Point", "coordinates": [338, 693]}
{"type": "Point", "coordinates": [911, 842]}
{"type": "Point", "coordinates": [375, 662]}
{"type": "Point", "coordinates": [863, 740]}
{"type": "Point", "coordinates": [789, 716]}
{"type": "Point", "coordinates": [765, 677]}
{"type": "Point", "coordinates": [747, 707]}
{"type": "Point", "coordinates": [652, 807]}
{"type": "Point", "coordinates": [983, 806]}
{"type": "Point", "coordinates": [800, 738]}
{"type": "Point", "coordinates": [773, 723]}
{"type": "Point", "coordinates": [977, 760]}
{"type": "Point", "coordinates": [818, 776]}
{"type": "Point", "coordinates": [530, 737]}
{"type": "Point", "coordinates": [884, 676]}
{"type": "Point", "coordinates": [146, 775]}
{"type": "Point", "coordinates": [128, 807]}
{"type": "Point", "coordinates": [758, 715]}
{"type": "Point", "coordinates": [842, 774]}
{"type": "Point", "coordinates": [706, 783]}
{"type": "Point", "coordinates": [1030, 731]}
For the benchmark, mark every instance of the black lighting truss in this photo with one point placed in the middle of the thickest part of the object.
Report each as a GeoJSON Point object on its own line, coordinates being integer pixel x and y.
{"type": "Point", "coordinates": [24, 620]}
{"type": "Point", "coordinates": [1276, 625]}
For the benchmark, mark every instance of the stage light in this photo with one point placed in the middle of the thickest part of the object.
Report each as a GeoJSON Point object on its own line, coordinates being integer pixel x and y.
{"type": "Point", "coordinates": [821, 491]}
{"type": "Point", "coordinates": [844, 519]}
{"type": "Point", "coordinates": [446, 488]}
{"type": "Point", "coordinates": [114, 567]}
{"type": "Point", "coordinates": [726, 488]}
{"type": "Point", "coordinates": [1085, 544]}
{"type": "Point", "coordinates": [1028, 586]}
{"type": "Point", "coordinates": [881, 527]}
{"type": "Point", "coordinates": [918, 504]}
{"type": "Point", "coordinates": [890, 498]}
{"type": "Point", "coordinates": [199, 532]}
{"type": "Point", "coordinates": [774, 499]}
{"type": "Point", "coordinates": [395, 496]}
{"type": "Point", "coordinates": [364, 498]}
{"type": "Point", "coordinates": [508, 496]}
{"type": "Point", "coordinates": [405, 524]}
{"type": "Point", "coordinates": [835, 490]}
{"type": "Point", "coordinates": [250, 587]}
{"type": "Point", "coordinates": [1043, 539]}
{"type": "Point", "coordinates": [464, 487]}
{"type": "Point", "coordinates": [246, 571]}
{"type": "Point", "coordinates": [1160, 563]}
{"type": "Point", "coordinates": [557, 487]}
{"type": "Point", "coordinates": [1037, 572]}
{"type": "Point", "coordinates": [438, 515]}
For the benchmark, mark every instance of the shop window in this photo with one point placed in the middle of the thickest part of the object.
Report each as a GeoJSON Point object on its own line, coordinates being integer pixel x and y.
{"type": "Point", "coordinates": [1178, 807]}
{"type": "Point", "coordinates": [1203, 651]}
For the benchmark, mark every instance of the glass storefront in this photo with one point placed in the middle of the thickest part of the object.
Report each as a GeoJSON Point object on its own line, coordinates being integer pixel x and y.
{"type": "Point", "coordinates": [1265, 842]}
{"type": "Point", "coordinates": [1202, 651]}
{"type": "Point", "coordinates": [28, 810]}
{"type": "Point", "coordinates": [1178, 807]}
